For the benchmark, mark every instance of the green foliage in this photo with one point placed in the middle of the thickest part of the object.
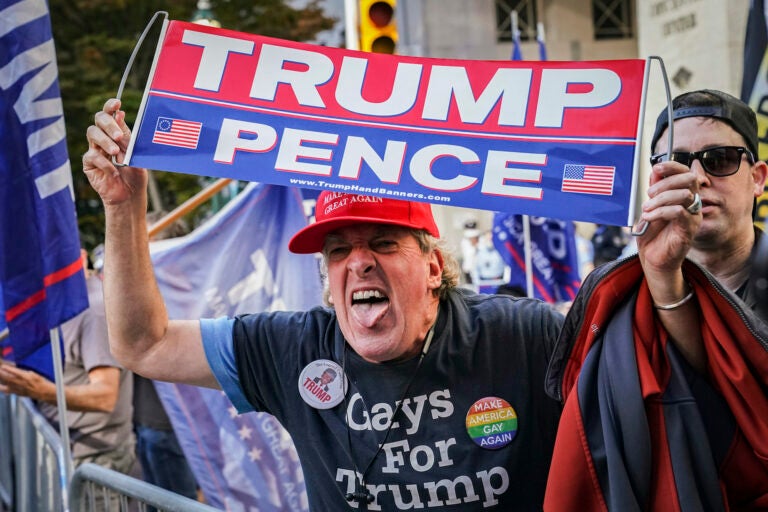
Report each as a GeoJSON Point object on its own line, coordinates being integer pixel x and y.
{"type": "Point", "coordinates": [94, 40]}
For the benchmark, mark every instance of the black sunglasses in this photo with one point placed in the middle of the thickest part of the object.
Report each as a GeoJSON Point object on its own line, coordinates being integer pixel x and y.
{"type": "Point", "coordinates": [721, 161]}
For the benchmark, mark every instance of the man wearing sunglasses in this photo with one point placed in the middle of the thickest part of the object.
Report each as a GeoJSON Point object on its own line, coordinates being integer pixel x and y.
{"type": "Point", "coordinates": [715, 135]}
{"type": "Point", "coordinates": [663, 368]}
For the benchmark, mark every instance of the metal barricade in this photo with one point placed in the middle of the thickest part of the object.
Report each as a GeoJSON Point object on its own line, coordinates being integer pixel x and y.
{"type": "Point", "coordinates": [92, 483]}
{"type": "Point", "coordinates": [6, 453]}
{"type": "Point", "coordinates": [38, 460]}
{"type": "Point", "coordinates": [32, 473]}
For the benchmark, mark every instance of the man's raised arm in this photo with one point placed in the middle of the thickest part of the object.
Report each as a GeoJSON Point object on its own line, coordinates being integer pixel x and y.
{"type": "Point", "coordinates": [141, 336]}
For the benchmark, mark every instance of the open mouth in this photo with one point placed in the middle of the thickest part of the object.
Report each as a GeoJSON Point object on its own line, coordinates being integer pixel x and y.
{"type": "Point", "coordinates": [369, 306]}
{"type": "Point", "coordinates": [368, 297]}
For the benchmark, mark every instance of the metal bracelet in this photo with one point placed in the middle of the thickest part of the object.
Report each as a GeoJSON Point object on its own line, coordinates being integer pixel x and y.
{"type": "Point", "coordinates": [675, 305]}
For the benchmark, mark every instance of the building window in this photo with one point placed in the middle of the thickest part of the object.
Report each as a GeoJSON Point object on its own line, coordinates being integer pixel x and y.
{"type": "Point", "coordinates": [612, 19]}
{"type": "Point", "coordinates": [526, 19]}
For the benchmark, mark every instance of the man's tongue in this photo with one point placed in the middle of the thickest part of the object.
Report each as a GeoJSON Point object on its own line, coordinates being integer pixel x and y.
{"type": "Point", "coordinates": [368, 313]}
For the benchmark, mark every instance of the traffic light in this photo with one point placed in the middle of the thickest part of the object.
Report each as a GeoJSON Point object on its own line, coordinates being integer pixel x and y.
{"type": "Point", "coordinates": [378, 29]}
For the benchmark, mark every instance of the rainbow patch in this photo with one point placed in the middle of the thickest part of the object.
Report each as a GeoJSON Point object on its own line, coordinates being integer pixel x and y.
{"type": "Point", "coordinates": [491, 423]}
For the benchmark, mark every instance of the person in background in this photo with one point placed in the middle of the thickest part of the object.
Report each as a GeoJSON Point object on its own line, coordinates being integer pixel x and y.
{"type": "Point", "coordinates": [489, 265]}
{"type": "Point", "coordinates": [608, 242]}
{"type": "Point", "coordinates": [469, 241]}
{"type": "Point", "coordinates": [97, 389]}
{"type": "Point", "coordinates": [586, 254]}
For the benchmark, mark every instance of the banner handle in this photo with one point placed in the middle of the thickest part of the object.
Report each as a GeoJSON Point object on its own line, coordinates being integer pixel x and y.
{"type": "Point", "coordinates": [130, 65]}
{"type": "Point", "coordinates": [670, 137]}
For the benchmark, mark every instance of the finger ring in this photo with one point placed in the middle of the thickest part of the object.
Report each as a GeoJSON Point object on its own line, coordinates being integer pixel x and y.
{"type": "Point", "coordinates": [695, 207]}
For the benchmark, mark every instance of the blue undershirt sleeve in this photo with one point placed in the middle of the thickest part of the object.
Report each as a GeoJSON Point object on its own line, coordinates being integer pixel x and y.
{"type": "Point", "coordinates": [218, 346]}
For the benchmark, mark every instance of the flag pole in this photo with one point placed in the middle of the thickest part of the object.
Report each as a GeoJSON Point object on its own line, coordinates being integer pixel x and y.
{"type": "Point", "coordinates": [517, 52]}
{"type": "Point", "coordinates": [351, 17]}
{"type": "Point", "coordinates": [541, 40]}
{"type": "Point", "coordinates": [513, 27]}
{"type": "Point", "coordinates": [66, 467]}
{"type": "Point", "coordinates": [188, 205]}
{"type": "Point", "coordinates": [527, 250]}
{"type": "Point", "coordinates": [517, 55]}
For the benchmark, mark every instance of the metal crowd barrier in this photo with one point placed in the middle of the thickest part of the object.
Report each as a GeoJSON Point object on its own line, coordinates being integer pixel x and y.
{"type": "Point", "coordinates": [6, 453]}
{"type": "Point", "coordinates": [32, 473]}
{"type": "Point", "coordinates": [31, 478]}
{"type": "Point", "coordinates": [91, 482]}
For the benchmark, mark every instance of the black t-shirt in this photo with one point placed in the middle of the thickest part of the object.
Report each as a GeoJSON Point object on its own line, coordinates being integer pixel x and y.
{"type": "Point", "coordinates": [481, 383]}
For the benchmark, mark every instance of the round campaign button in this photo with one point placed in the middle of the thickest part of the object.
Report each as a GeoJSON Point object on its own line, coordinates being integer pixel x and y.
{"type": "Point", "coordinates": [322, 384]}
{"type": "Point", "coordinates": [492, 423]}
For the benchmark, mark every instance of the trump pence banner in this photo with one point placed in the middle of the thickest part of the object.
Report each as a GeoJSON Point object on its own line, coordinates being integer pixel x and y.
{"type": "Point", "coordinates": [552, 139]}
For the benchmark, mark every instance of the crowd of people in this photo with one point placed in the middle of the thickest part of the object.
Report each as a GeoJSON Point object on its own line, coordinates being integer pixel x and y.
{"type": "Point", "coordinates": [472, 387]}
{"type": "Point", "coordinates": [482, 401]}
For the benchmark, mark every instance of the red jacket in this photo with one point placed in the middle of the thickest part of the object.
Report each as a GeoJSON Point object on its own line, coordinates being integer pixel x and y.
{"type": "Point", "coordinates": [640, 429]}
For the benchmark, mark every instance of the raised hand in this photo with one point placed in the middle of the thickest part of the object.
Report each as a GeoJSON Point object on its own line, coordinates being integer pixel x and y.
{"type": "Point", "coordinates": [108, 137]}
{"type": "Point", "coordinates": [672, 223]}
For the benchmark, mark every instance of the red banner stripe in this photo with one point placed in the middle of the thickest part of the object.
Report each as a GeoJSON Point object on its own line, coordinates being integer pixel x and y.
{"type": "Point", "coordinates": [39, 296]}
{"type": "Point", "coordinates": [24, 305]}
{"type": "Point", "coordinates": [63, 273]}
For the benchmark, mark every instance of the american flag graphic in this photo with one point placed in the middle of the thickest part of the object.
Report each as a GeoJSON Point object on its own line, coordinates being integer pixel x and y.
{"type": "Point", "coordinates": [588, 179]}
{"type": "Point", "coordinates": [177, 132]}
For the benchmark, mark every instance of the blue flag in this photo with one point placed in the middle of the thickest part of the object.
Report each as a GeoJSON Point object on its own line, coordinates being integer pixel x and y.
{"type": "Point", "coordinates": [238, 262]}
{"type": "Point", "coordinates": [41, 276]}
{"type": "Point", "coordinates": [553, 255]}
{"type": "Point", "coordinates": [755, 46]}
{"type": "Point", "coordinates": [754, 85]}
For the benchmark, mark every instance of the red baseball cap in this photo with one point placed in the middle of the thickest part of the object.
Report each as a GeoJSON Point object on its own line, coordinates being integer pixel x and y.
{"type": "Point", "coordinates": [335, 210]}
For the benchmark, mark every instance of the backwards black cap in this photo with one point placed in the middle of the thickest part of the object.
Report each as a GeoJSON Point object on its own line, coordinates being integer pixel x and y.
{"type": "Point", "coordinates": [711, 103]}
